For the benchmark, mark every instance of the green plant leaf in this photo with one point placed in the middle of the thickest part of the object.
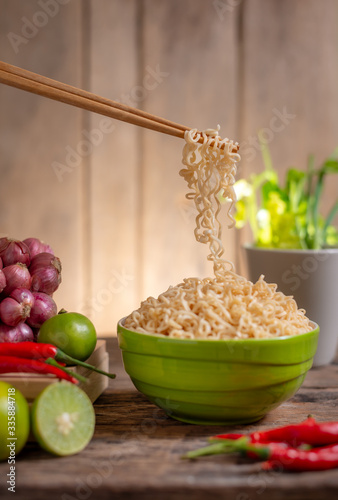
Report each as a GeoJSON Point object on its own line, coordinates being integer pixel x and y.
{"type": "Point", "coordinates": [329, 167]}
{"type": "Point", "coordinates": [288, 217]}
{"type": "Point", "coordinates": [331, 237]}
{"type": "Point", "coordinates": [241, 216]}
{"type": "Point", "coordinates": [265, 152]}
{"type": "Point", "coordinates": [295, 183]}
{"type": "Point", "coordinates": [295, 176]}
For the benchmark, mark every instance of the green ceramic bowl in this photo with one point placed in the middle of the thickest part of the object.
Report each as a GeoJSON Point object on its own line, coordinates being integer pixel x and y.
{"type": "Point", "coordinates": [217, 381]}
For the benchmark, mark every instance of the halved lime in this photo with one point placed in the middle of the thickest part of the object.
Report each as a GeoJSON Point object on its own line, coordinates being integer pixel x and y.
{"type": "Point", "coordinates": [63, 419]}
{"type": "Point", "coordinates": [14, 421]}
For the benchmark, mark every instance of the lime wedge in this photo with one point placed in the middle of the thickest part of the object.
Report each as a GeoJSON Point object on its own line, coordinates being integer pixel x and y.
{"type": "Point", "coordinates": [63, 419]}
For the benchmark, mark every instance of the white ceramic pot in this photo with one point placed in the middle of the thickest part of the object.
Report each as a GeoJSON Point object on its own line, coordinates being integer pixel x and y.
{"type": "Point", "coordinates": [311, 276]}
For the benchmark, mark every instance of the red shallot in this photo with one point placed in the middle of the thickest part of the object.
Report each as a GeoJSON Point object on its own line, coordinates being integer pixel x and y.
{"type": "Point", "coordinates": [2, 280]}
{"type": "Point", "coordinates": [20, 333]}
{"type": "Point", "coordinates": [17, 276]}
{"type": "Point", "coordinates": [13, 251]}
{"type": "Point", "coordinates": [46, 280]}
{"type": "Point", "coordinates": [44, 259]}
{"type": "Point", "coordinates": [45, 270]}
{"type": "Point", "coordinates": [44, 308]}
{"type": "Point", "coordinates": [16, 307]}
{"type": "Point", "coordinates": [37, 246]}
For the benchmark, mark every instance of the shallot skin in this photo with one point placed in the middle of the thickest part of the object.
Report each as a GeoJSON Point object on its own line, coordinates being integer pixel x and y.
{"type": "Point", "coordinates": [20, 333]}
{"type": "Point", "coordinates": [45, 270]}
{"type": "Point", "coordinates": [17, 276]}
{"type": "Point", "coordinates": [45, 259]}
{"type": "Point", "coordinates": [11, 312]}
{"type": "Point", "coordinates": [37, 246]}
{"type": "Point", "coordinates": [2, 280]}
{"type": "Point", "coordinates": [17, 307]}
{"type": "Point", "coordinates": [23, 295]}
{"type": "Point", "coordinates": [44, 308]}
{"type": "Point", "coordinates": [46, 280]}
{"type": "Point", "coordinates": [14, 251]}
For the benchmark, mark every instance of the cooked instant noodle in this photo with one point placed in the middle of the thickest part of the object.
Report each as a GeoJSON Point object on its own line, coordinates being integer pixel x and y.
{"type": "Point", "coordinates": [227, 306]}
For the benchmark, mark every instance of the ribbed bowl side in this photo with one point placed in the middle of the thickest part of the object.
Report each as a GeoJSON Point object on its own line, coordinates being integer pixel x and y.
{"type": "Point", "coordinates": [218, 408]}
{"type": "Point", "coordinates": [219, 393]}
{"type": "Point", "coordinates": [217, 382]}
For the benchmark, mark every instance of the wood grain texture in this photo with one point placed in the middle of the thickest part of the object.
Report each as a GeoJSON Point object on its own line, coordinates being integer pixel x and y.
{"type": "Point", "coordinates": [195, 52]}
{"type": "Point", "coordinates": [113, 192]}
{"type": "Point", "coordinates": [35, 132]}
{"type": "Point", "coordinates": [300, 68]}
{"type": "Point", "coordinates": [136, 452]}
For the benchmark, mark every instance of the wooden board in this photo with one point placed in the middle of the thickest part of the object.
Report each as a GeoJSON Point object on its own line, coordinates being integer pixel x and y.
{"type": "Point", "coordinates": [31, 384]}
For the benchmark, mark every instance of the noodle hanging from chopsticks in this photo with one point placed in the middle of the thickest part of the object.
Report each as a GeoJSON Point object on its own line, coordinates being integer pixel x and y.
{"type": "Point", "coordinates": [227, 306]}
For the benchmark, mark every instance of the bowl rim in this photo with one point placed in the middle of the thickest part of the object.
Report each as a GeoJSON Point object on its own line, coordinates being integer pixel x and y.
{"type": "Point", "coordinates": [297, 251]}
{"type": "Point", "coordinates": [314, 330]}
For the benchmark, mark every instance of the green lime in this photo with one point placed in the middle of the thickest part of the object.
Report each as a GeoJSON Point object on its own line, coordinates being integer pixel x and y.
{"type": "Point", "coordinates": [72, 332]}
{"type": "Point", "coordinates": [14, 422]}
{"type": "Point", "coordinates": [63, 419]}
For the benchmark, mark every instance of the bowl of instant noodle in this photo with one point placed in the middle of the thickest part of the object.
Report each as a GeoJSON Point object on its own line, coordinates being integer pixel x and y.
{"type": "Point", "coordinates": [211, 351]}
{"type": "Point", "coordinates": [219, 350]}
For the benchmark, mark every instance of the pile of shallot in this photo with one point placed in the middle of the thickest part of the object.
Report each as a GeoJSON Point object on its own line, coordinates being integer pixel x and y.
{"type": "Point", "coordinates": [29, 275]}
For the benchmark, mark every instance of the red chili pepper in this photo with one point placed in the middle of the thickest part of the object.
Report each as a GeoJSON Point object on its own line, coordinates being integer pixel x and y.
{"type": "Point", "coordinates": [302, 460]}
{"type": "Point", "coordinates": [309, 431]}
{"type": "Point", "coordinates": [31, 350]}
{"type": "Point", "coordinates": [290, 458]}
{"type": "Point", "coordinates": [258, 450]}
{"type": "Point", "coordinates": [332, 447]}
{"type": "Point", "coordinates": [275, 454]}
{"type": "Point", "coordinates": [13, 364]}
{"type": "Point", "coordinates": [35, 350]}
{"type": "Point", "coordinates": [228, 436]}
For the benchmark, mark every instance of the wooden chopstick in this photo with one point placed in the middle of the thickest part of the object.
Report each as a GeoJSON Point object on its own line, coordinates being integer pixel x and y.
{"type": "Point", "coordinates": [46, 87]}
{"type": "Point", "coordinates": [25, 80]}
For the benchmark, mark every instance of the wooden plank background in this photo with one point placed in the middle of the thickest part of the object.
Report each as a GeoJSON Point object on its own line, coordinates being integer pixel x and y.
{"type": "Point", "coordinates": [117, 215]}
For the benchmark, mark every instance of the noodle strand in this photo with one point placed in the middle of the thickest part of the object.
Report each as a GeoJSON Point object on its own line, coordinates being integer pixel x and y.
{"type": "Point", "coordinates": [227, 306]}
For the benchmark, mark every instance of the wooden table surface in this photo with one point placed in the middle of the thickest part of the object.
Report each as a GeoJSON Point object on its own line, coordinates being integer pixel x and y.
{"type": "Point", "coordinates": [136, 453]}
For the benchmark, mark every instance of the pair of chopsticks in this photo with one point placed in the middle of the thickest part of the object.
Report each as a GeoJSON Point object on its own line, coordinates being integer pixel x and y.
{"type": "Point", "coordinates": [46, 87]}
